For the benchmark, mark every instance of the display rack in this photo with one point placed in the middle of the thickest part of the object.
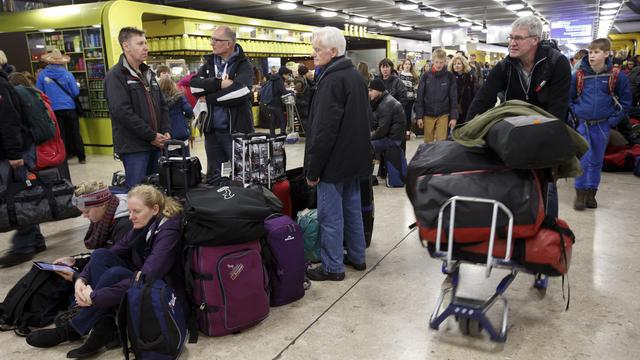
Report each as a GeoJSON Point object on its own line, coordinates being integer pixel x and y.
{"type": "Point", "coordinates": [87, 62]}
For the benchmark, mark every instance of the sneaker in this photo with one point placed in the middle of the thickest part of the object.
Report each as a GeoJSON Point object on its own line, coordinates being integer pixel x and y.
{"type": "Point", "coordinates": [359, 267]}
{"type": "Point", "coordinates": [318, 274]}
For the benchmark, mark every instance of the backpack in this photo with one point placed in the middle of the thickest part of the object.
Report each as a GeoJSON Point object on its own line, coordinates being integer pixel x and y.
{"type": "Point", "coordinates": [50, 153]}
{"type": "Point", "coordinates": [153, 319]}
{"type": "Point", "coordinates": [266, 93]}
{"type": "Point", "coordinates": [35, 114]}
{"type": "Point", "coordinates": [310, 226]}
{"type": "Point", "coordinates": [613, 79]}
{"type": "Point", "coordinates": [34, 301]}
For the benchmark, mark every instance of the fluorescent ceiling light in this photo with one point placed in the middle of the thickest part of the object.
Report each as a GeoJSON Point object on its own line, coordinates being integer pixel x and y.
{"type": "Point", "coordinates": [287, 6]}
{"type": "Point", "coordinates": [431, 13]}
{"type": "Point", "coordinates": [97, 26]}
{"type": "Point", "coordinates": [404, 28]}
{"type": "Point", "coordinates": [359, 19]}
{"type": "Point", "coordinates": [206, 26]}
{"type": "Point", "coordinates": [384, 24]}
{"type": "Point", "coordinates": [610, 5]}
{"type": "Point", "coordinates": [39, 46]}
{"type": "Point", "coordinates": [524, 13]}
{"type": "Point", "coordinates": [608, 12]}
{"type": "Point", "coordinates": [476, 27]}
{"type": "Point", "coordinates": [246, 29]}
{"type": "Point", "coordinates": [514, 7]}
{"type": "Point", "coordinates": [408, 5]}
{"type": "Point", "coordinates": [450, 19]}
{"type": "Point", "coordinates": [280, 32]}
{"type": "Point", "coordinates": [606, 17]}
{"type": "Point", "coordinates": [47, 30]}
{"type": "Point", "coordinates": [328, 13]}
{"type": "Point", "coordinates": [464, 23]}
{"type": "Point", "coordinates": [61, 11]}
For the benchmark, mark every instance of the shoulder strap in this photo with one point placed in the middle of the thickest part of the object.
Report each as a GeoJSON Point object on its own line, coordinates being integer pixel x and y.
{"type": "Point", "coordinates": [613, 79]}
{"type": "Point", "coordinates": [579, 82]}
{"type": "Point", "coordinates": [122, 325]}
{"type": "Point", "coordinates": [62, 88]}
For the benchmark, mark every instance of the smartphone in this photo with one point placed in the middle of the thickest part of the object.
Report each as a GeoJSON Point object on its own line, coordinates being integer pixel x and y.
{"type": "Point", "coordinates": [54, 267]}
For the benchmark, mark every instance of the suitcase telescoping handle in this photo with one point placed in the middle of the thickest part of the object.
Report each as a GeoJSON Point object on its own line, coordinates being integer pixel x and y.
{"type": "Point", "coordinates": [184, 166]}
{"type": "Point", "coordinates": [172, 142]}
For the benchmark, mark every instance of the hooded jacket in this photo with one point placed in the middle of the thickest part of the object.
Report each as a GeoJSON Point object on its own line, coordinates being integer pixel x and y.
{"type": "Point", "coordinates": [549, 87]}
{"type": "Point", "coordinates": [595, 102]}
{"type": "Point", "coordinates": [338, 145]}
{"type": "Point", "coordinates": [278, 90]}
{"type": "Point", "coordinates": [437, 95]}
{"type": "Point", "coordinates": [233, 112]}
{"type": "Point", "coordinates": [59, 99]}
{"type": "Point", "coordinates": [388, 118]}
{"type": "Point", "coordinates": [14, 135]}
{"type": "Point", "coordinates": [180, 112]}
{"type": "Point", "coordinates": [137, 113]}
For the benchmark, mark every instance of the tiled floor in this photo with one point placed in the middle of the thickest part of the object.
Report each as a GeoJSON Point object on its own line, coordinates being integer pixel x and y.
{"type": "Point", "coordinates": [383, 312]}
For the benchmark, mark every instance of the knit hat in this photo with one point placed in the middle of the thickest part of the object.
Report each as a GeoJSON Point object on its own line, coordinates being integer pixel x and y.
{"type": "Point", "coordinates": [94, 199]}
{"type": "Point", "coordinates": [377, 84]}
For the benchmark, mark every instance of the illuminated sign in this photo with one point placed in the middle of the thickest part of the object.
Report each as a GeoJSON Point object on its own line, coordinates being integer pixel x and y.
{"type": "Point", "coordinates": [572, 31]}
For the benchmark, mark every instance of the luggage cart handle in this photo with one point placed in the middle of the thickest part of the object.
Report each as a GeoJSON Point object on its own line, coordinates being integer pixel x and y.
{"type": "Point", "coordinates": [494, 218]}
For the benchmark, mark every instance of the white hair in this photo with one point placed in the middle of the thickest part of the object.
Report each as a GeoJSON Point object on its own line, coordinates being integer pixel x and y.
{"type": "Point", "coordinates": [331, 37]}
{"type": "Point", "coordinates": [532, 23]}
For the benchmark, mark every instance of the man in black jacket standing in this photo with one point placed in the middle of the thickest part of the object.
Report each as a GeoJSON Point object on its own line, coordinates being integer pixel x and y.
{"type": "Point", "coordinates": [139, 113]}
{"type": "Point", "coordinates": [224, 82]}
{"type": "Point", "coordinates": [338, 154]}
{"type": "Point", "coordinates": [535, 73]}
{"type": "Point", "coordinates": [16, 151]}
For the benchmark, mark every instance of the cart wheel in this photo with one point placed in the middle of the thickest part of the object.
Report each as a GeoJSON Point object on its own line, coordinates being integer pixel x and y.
{"type": "Point", "coordinates": [541, 282]}
{"type": "Point", "coordinates": [463, 324]}
{"type": "Point", "coordinates": [475, 328]}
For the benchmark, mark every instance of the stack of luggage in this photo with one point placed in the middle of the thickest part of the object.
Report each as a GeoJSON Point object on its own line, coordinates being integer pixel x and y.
{"type": "Point", "coordinates": [506, 170]}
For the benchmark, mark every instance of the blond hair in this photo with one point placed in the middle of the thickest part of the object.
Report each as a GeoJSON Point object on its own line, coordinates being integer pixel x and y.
{"type": "Point", "coordinates": [88, 187]}
{"type": "Point", "coordinates": [3, 58]}
{"type": "Point", "coordinates": [168, 88]}
{"type": "Point", "coordinates": [463, 60]}
{"type": "Point", "coordinates": [151, 197]}
{"type": "Point", "coordinates": [439, 53]}
{"type": "Point", "coordinates": [602, 44]}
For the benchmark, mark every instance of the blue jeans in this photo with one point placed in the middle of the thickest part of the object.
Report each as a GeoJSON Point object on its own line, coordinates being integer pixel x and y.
{"type": "Point", "coordinates": [107, 269]}
{"type": "Point", "coordinates": [137, 165]}
{"type": "Point", "coordinates": [597, 136]}
{"type": "Point", "coordinates": [26, 239]}
{"type": "Point", "coordinates": [217, 144]}
{"type": "Point", "coordinates": [380, 145]}
{"type": "Point", "coordinates": [340, 219]}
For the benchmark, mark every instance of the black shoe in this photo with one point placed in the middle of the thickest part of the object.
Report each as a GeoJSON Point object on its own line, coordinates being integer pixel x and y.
{"type": "Point", "coordinates": [51, 337]}
{"type": "Point", "coordinates": [318, 274]}
{"type": "Point", "coordinates": [359, 267]}
{"type": "Point", "coordinates": [103, 335]}
{"type": "Point", "coordinates": [374, 180]}
{"type": "Point", "coordinates": [11, 259]}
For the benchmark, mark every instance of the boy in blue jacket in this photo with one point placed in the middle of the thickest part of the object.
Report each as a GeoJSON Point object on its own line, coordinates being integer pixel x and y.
{"type": "Point", "coordinates": [600, 99]}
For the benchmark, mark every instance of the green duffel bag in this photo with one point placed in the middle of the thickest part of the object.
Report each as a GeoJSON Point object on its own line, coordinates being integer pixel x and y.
{"type": "Point", "coordinates": [308, 221]}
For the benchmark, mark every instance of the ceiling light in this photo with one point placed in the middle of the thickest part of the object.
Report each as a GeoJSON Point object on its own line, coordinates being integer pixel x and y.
{"type": "Point", "coordinates": [97, 26]}
{"type": "Point", "coordinates": [484, 30]}
{"type": "Point", "coordinates": [406, 5]}
{"type": "Point", "coordinates": [287, 6]}
{"type": "Point", "coordinates": [608, 12]}
{"type": "Point", "coordinates": [404, 28]}
{"type": "Point", "coordinates": [280, 32]}
{"type": "Point", "coordinates": [464, 23]}
{"type": "Point", "coordinates": [246, 29]}
{"type": "Point", "coordinates": [476, 27]}
{"type": "Point", "coordinates": [206, 27]}
{"type": "Point", "coordinates": [431, 13]}
{"type": "Point", "coordinates": [610, 5]}
{"type": "Point", "coordinates": [359, 19]}
{"type": "Point", "coordinates": [384, 24]}
{"type": "Point", "coordinates": [450, 19]}
{"type": "Point", "coordinates": [607, 17]}
{"type": "Point", "coordinates": [514, 7]}
{"type": "Point", "coordinates": [524, 13]}
{"type": "Point", "coordinates": [328, 13]}
{"type": "Point", "coordinates": [47, 30]}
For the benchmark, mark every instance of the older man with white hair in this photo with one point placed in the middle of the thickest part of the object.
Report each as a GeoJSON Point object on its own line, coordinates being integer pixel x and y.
{"type": "Point", "coordinates": [338, 154]}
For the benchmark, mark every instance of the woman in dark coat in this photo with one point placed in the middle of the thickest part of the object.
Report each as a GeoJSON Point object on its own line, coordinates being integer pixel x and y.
{"type": "Point", "coordinates": [465, 82]}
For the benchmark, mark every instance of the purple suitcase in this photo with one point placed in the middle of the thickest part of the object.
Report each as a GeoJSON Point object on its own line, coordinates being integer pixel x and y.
{"type": "Point", "coordinates": [231, 287]}
{"type": "Point", "coordinates": [286, 266]}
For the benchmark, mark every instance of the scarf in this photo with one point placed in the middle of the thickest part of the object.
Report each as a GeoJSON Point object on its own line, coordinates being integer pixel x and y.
{"type": "Point", "coordinates": [98, 234]}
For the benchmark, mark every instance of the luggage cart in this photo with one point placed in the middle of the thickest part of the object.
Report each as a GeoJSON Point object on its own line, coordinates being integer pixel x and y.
{"type": "Point", "coordinates": [474, 287]}
{"type": "Point", "coordinates": [293, 118]}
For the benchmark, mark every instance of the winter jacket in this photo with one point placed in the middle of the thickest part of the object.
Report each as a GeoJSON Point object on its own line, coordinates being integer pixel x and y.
{"type": "Point", "coordinates": [549, 88]}
{"type": "Point", "coordinates": [465, 85]}
{"type": "Point", "coordinates": [59, 99]}
{"type": "Point", "coordinates": [14, 135]}
{"type": "Point", "coordinates": [396, 88]}
{"type": "Point", "coordinates": [180, 113]}
{"type": "Point", "coordinates": [409, 83]}
{"type": "Point", "coordinates": [235, 112]}
{"type": "Point", "coordinates": [437, 95]}
{"type": "Point", "coordinates": [338, 145]}
{"type": "Point", "coordinates": [595, 102]}
{"type": "Point", "coordinates": [388, 118]}
{"type": "Point", "coordinates": [277, 82]}
{"type": "Point", "coordinates": [161, 262]}
{"type": "Point", "coordinates": [138, 111]}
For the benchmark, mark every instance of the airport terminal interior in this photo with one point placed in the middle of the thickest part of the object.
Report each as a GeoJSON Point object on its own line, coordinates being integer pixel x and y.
{"type": "Point", "coordinates": [385, 311]}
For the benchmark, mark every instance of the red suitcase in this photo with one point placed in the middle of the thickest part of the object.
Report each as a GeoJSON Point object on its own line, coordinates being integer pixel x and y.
{"type": "Point", "coordinates": [282, 189]}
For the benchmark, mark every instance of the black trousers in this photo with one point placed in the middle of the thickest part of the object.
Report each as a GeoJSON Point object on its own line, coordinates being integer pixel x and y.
{"type": "Point", "coordinates": [70, 131]}
{"type": "Point", "coordinates": [277, 118]}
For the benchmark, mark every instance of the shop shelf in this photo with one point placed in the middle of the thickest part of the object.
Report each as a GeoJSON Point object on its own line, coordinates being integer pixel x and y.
{"type": "Point", "coordinates": [94, 58]}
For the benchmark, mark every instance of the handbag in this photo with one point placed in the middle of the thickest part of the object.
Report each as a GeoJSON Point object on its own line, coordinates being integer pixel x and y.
{"type": "Point", "coordinates": [35, 201]}
{"type": "Point", "coordinates": [76, 99]}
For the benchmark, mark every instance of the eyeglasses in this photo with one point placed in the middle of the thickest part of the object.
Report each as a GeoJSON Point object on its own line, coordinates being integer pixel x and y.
{"type": "Point", "coordinates": [518, 38]}
{"type": "Point", "coordinates": [214, 40]}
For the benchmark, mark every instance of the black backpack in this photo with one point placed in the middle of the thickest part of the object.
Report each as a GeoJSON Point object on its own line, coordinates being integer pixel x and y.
{"type": "Point", "coordinates": [34, 301]}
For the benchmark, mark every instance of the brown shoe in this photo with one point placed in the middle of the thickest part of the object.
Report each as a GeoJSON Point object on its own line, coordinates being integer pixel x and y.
{"type": "Point", "coordinates": [581, 200]}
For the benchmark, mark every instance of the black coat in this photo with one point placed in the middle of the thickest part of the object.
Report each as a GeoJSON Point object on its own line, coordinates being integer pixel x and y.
{"type": "Point", "coordinates": [134, 110]}
{"type": "Point", "coordinates": [241, 72]}
{"type": "Point", "coordinates": [466, 84]}
{"type": "Point", "coordinates": [396, 88]}
{"type": "Point", "coordinates": [437, 95]}
{"type": "Point", "coordinates": [338, 145]}
{"type": "Point", "coordinates": [388, 118]}
{"type": "Point", "coordinates": [549, 88]}
{"type": "Point", "coordinates": [278, 90]}
{"type": "Point", "coordinates": [14, 135]}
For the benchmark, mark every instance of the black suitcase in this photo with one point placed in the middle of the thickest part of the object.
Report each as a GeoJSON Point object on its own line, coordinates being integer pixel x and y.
{"type": "Point", "coordinates": [178, 173]}
{"type": "Point", "coordinates": [303, 196]}
{"type": "Point", "coordinates": [368, 207]}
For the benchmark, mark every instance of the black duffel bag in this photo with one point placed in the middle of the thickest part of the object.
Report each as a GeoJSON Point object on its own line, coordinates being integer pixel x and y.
{"type": "Point", "coordinates": [303, 196]}
{"type": "Point", "coordinates": [224, 215]}
{"type": "Point", "coordinates": [531, 142]}
{"type": "Point", "coordinates": [36, 201]}
{"type": "Point", "coordinates": [178, 172]}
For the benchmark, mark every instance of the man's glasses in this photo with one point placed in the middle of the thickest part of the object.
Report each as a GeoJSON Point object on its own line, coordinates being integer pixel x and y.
{"type": "Point", "coordinates": [518, 38]}
{"type": "Point", "coordinates": [214, 40]}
